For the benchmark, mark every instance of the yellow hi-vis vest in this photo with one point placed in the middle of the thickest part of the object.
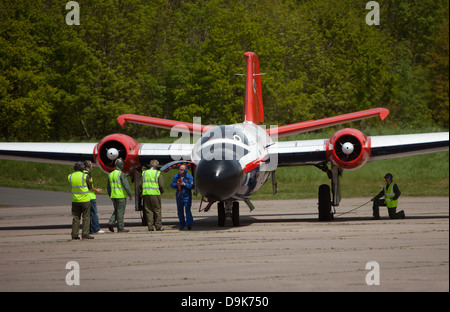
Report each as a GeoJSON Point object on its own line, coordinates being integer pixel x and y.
{"type": "Point", "coordinates": [150, 184]}
{"type": "Point", "coordinates": [80, 191]}
{"type": "Point", "coordinates": [91, 193]}
{"type": "Point", "coordinates": [117, 189]}
{"type": "Point", "coordinates": [388, 194]}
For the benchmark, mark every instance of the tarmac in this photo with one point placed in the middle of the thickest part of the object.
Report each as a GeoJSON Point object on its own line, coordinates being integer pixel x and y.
{"type": "Point", "coordinates": [278, 247]}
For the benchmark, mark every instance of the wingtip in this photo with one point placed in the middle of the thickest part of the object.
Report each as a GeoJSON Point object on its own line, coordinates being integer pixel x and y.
{"type": "Point", "coordinates": [383, 113]}
{"type": "Point", "coordinates": [122, 120]}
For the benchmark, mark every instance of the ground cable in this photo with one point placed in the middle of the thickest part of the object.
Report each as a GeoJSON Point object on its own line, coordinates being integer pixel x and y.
{"type": "Point", "coordinates": [354, 208]}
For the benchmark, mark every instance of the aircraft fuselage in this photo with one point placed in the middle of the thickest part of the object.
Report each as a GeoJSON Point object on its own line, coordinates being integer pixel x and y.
{"type": "Point", "coordinates": [232, 161]}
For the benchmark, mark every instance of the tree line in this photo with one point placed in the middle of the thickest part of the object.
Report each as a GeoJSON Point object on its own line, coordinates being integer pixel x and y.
{"type": "Point", "coordinates": [178, 59]}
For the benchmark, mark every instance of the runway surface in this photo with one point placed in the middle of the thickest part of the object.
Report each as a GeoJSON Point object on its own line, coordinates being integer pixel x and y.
{"type": "Point", "coordinates": [279, 247]}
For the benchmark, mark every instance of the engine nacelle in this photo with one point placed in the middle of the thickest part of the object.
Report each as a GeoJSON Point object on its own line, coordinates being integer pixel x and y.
{"type": "Point", "coordinates": [348, 149]}
{"type": "Point", "coordinates": [114, 146]}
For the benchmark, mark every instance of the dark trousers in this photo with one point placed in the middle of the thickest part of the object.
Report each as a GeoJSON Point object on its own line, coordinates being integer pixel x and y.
{"type": "Point", "coordinates": [393, 214]}
{"type": "Point", "coordinates": [119, 211]}
{"type": "Point", "coordinates": [80, 210]}
{"type": "Point", "coordinates": [152, 205]}
{"type": "Point", "coordinates": [184, 204]}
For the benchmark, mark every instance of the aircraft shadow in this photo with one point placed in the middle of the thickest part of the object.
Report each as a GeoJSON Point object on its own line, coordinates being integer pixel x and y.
{"type": "Point", "coordinates": [209, 223]}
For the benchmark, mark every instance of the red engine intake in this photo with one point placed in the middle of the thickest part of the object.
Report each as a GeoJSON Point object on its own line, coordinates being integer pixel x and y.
{"type": "Point", "coordinates": [348, 149]}
{"type": "Point", "coordinates": [127, 148]}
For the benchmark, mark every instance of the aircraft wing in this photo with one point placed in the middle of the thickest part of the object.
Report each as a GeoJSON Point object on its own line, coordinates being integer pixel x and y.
{"type": "Point", "coordinates": [56, 153]}
{"type": "Point", "coordinates": [165, 153]}
{"type": "Point", "coordinates": [69, 153]}
{"type": "Point", "coordinates": [298, 153]}
{"type": "Point", "coordinates": [395, 146]}
{"type": "Point", "coordinates": [286, 153]}
{"type": "Point", "coordinates": [306, 126]}
{"type": "Point", "coordinates": [162, 123]}
{"type": "Point", "coordinates": [312, 152]}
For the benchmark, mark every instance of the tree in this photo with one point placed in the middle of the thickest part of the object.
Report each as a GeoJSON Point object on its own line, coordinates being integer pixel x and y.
{"type": "Point", "coordinates": [178, 60]}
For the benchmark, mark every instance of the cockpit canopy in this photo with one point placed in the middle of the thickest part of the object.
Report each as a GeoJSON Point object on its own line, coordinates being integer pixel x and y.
{"type": "Point", "coordinates": [225, 142]}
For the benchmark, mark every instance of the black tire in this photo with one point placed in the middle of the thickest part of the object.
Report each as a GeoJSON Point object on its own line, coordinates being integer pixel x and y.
{"type": "Point", "coordinates": [235, 214]}
{"type": "Point", "coordinates": [221, 214]}
{"type": "Point", "coordinates": [325, 203]}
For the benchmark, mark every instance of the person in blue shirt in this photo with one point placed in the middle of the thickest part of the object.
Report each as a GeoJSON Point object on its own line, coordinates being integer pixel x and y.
{"type": "Point", "coordinates": [183, 182]}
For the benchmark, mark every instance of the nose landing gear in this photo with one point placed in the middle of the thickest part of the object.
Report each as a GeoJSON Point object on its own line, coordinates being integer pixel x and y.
{"type": "Point", "coordinates": [228, 209]}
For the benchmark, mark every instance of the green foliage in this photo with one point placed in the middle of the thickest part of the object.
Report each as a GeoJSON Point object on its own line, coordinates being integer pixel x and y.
{"type": "Point", "coordinates": [177, 60]}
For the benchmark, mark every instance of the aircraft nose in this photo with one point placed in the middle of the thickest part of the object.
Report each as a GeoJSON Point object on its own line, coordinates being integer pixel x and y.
{"type": "Point", "coordinates": [218, 179]}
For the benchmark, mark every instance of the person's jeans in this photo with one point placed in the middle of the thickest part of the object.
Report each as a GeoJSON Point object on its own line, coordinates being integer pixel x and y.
{"type": "Point", "coordinates": [95, 225]}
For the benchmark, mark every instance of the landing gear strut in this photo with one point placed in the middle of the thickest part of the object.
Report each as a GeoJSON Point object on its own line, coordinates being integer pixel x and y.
{"type": "Point", "coordinates": [228, 209]}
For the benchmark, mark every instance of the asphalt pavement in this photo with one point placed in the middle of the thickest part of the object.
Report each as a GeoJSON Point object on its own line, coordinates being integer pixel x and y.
{"type": "Point", "coordinates": [279, 247]}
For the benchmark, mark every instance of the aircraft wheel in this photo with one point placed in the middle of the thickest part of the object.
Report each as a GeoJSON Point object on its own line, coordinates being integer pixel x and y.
{"type": "Point", "coordinates": [221, 213]}
{"type": "Point", "coordinates": [325, 203]}
{"type": "Point", "coordinates": [235, 214]}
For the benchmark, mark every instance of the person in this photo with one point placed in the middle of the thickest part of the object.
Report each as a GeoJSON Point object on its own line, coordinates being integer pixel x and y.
{"type": "Point", "coordinates": [118, 189]}
{"type": "Point", "coordinates": [152, 186]}
{"type": "Point", "coordinates": [183, 182]}
{"type": "Point", "coordinates": [391, 193]}
{"type": "Point", "coordinates": [95, 225]}
{"type": "Point", "coordinates": [81, 184]}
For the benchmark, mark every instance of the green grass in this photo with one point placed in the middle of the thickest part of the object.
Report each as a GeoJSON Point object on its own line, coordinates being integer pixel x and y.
{"type": "Point", "coordinates": [425, 175]}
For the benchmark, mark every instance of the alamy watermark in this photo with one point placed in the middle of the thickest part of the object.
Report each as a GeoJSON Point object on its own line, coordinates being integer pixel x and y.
{"type": "Point", "coordinates": [226, 142]}
{"type": "Point", "coordinates": [73, 17]}
{"type": "Point", "coordinates": [373, 277]}
{"type": "Point", "coordinates": [73, 277]}
{"type": "Point", "coordinates": [373, 17]}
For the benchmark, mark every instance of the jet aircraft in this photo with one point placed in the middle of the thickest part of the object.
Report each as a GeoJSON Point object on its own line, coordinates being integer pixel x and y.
{"type": "Point", "coordinates": [231, 162]}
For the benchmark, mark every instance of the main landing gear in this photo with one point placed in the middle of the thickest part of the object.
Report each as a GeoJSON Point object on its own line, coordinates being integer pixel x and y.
{"type": "Point", "coordinates": [325, 213]}
{"type": "Point", "coordinates": [325, 201]}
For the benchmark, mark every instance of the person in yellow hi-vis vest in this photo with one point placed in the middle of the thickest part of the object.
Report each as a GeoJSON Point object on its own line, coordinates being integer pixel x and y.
{"type": "Point", "coordinates": [81, 202]}
{"type": "Point", "coordinates": [118, 189]}
{"type": "Point", "coordinates": [95, 225]}
{"type": "Point", "coordinates": [152, 186]}
{"type": "Point", "coordinates": [391, 193]}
